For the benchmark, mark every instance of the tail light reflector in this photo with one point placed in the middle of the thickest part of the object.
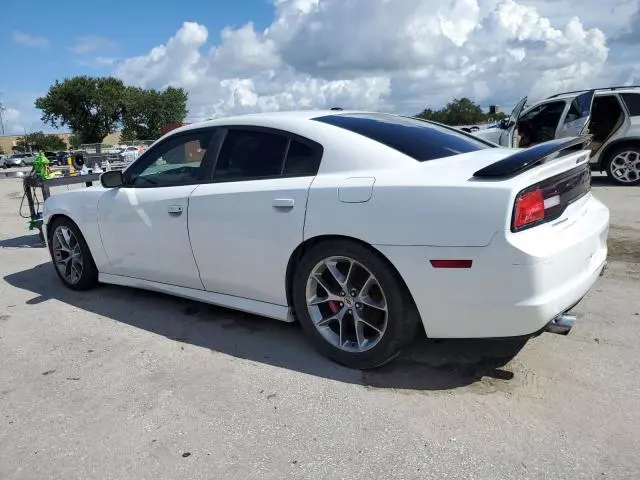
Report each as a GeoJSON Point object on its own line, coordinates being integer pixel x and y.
{"type": "Point", "coordinates": [451, 263]}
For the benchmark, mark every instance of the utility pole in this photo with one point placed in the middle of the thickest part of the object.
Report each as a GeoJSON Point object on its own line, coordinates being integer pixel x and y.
{"type": "Point", "coordinates": [1, 115]}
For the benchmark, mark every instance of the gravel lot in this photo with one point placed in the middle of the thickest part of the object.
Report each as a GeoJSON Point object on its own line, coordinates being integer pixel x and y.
{"type": "Point", "coordinates": [119, 384]}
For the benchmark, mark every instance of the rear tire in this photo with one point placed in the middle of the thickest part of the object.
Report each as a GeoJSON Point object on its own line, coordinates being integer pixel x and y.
{"type": "Point", "coordinates": [70, 254]}
{"type": "Point", "coordinates": [362, 319]}
{"type": "Point", "coordinates": [623, 165]}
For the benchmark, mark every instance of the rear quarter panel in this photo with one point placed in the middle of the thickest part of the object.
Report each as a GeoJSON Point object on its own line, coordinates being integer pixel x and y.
{"type": "Point", "coordinates": [81, 206]}
{"type": "Point", "coordinates": [407, 207]}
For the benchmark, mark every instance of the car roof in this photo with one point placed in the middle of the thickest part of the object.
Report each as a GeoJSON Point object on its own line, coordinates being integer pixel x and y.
{"type": "Point", "coordinates": [265, 119]}
{"type": "Point", "coordinates": [598, 91]}
{"type": "Point", "coordinates": [343, 149]}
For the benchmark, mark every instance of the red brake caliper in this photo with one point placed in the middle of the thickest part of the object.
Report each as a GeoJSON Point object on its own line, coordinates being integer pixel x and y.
{"type": "Point", "coordinates": [333, 306]}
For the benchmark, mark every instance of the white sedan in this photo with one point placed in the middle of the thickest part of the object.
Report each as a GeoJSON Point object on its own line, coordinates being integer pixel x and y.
{"type": "Point", "coordinates": [365, 227]}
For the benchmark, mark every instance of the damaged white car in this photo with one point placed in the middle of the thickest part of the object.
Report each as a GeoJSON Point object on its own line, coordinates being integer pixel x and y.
{"type": "Point", "coordinates": [611, 115]}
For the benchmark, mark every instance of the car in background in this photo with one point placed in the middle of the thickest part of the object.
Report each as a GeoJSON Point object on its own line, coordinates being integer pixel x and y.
{"type": "Point", "coordinates": [366, 228]}
{"type": "Point", "coordinates": [51, 156]}
{"type": "Point", "coordinates": [61, 158]}
{"type": "Point", "coordinates": [19, 160]}
{"type": "Point", "coordinates": [610, 115]}
{"type": "Point", "coordinates": [129, 153]}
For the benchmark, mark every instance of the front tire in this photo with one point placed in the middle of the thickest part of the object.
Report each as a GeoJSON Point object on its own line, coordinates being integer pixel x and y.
{"type": "Point", "coordinates": [71, 256]}
{"type": "Point", "coordinates": [353, 307]}
{"type": "Point", "coordinates": [623, 165]}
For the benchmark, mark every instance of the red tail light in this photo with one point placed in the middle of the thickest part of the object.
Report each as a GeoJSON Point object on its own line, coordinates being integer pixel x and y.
{"type": "Point", "coordinates": [547, 200]}
{"type": "Point", "coordinates": [529, 209]}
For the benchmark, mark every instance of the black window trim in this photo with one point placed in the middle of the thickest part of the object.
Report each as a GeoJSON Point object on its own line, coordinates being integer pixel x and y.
{"type": "Point", "coordinates": [317, 147]}
{"type": "Point", "coordinates": [207, 160]}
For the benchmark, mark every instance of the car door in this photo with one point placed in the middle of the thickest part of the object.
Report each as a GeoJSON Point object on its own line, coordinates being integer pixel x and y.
{"type": "Point", "coordinates": [143, 224]}
{"type": "Point", "coordinates": [245, 225]}
{"type": "Point", "coordinates": [577, 116]}
{"type": "Point", "coordinates": [507, 135]}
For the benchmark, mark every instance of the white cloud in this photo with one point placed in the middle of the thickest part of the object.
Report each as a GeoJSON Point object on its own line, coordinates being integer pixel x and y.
{"type": "Point", "coordinates": [30, 40]}
{"type": "Point", "coordinates": [92, 43]}
{"type": "Point", "coordinates": [12, 121]}
{"type": "Point", "coordinates": [380, 54]}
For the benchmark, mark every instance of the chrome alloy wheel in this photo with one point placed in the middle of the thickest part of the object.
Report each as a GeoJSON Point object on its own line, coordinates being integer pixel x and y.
{"type": "Point", "coordinates": [625, 166]}
{"type": "Point", "coordinates": [67, 254]}
{"type": "Point", "coordinates": [346, 304]}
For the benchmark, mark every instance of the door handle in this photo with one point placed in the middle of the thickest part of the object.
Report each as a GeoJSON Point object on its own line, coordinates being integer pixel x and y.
{"type": "Point", "coordinates": [174, 210]}
{"type": "Point", "coordinates": [283, 203]}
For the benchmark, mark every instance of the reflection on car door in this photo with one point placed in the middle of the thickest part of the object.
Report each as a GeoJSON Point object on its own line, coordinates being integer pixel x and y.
{"type": "Point", "coordinates": [245, 225]}
{"type": "Point", "coordinates": [143, 224]}
{"type": "Point", "coordinates": [577, 115]}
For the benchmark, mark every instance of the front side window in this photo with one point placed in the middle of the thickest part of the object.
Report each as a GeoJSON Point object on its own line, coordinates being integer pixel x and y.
{"type": "Point", "coordinates": [250, 155]}
{"type": "Point", "coordinates": [179, 161]}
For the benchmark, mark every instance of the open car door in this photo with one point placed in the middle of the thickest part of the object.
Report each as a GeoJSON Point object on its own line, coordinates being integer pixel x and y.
{"type": "Point", "coordinates": [577, 118]}
{"type": "Point", "coordinates": [508, 133]}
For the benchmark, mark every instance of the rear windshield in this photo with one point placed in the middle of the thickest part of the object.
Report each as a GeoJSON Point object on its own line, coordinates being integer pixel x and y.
{"type": "Point", "coordinates": [415, 138]}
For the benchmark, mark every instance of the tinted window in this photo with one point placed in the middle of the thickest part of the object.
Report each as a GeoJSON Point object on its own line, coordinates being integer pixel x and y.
{"type": "Point", "coordinates": [632, 101]}
{"type": "Point", "coordinates": [302, 159]}
{"type": "Point", "coordinates": [417, 139]}
{"type": "Point", "coordinates": [176, 162]}
{"type": "Point", "coordinates": [250, 154]}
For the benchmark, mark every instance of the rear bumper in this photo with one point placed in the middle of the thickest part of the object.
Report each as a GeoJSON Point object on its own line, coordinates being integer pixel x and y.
{"type": "Point", "coordinates": [517, 285]}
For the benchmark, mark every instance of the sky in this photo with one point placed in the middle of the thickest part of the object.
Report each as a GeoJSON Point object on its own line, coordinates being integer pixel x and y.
{"type": "Point", "coordinates": [244, 56]}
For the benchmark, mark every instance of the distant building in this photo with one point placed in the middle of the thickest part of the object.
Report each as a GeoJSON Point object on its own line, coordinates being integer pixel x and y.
{"type": "Point", "coordinates": [494, 109]}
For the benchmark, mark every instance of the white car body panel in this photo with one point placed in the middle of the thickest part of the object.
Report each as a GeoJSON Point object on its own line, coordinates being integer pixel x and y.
{"type": "Point", "coordinates": [81, 206]}
{"type": "Point", "coordinates": [245, 251]}
{"type": "Point", "coordinates": [143, 240]}
{"type": "Point", "coordinates": [542, 273]}
{"type": "Point", "coordinates": [233, 241]}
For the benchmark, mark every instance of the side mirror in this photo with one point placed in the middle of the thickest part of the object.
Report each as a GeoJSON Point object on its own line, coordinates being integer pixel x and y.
{"type": "Point", "coordinates": [112, 179]}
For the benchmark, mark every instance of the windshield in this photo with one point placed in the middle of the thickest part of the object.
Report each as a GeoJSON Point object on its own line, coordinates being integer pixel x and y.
{"type": "Point", "coordinates": [418, 139]}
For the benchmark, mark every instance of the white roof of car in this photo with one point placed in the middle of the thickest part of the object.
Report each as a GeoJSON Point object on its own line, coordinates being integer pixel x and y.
{"type": "Point", "coordinates": [266, 119]}
{"type": "Point", "coordinates": [598, 91]}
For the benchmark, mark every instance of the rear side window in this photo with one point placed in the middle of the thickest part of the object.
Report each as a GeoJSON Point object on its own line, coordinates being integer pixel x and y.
{"type": "Point", "coordinates": [249, 155]}
{"type": "Point", "coordinates": [420, 140]}
{"type": "Point", "coordinates": [632, 101]}
{"type": "Point", "coordinates": [303, 159]}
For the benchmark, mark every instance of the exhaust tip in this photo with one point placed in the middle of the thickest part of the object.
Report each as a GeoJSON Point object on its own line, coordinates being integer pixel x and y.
{"type": "Point", "coordinates": [562, 324]}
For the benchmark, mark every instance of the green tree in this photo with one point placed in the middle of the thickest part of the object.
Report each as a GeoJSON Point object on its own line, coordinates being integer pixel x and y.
{"type": "Point", "coordinates": [91, 107]}
{"type": "Point", "coordinates": [146, 111]}
{"type": "Point", "coordinates": [74, 141]}
{"type": "Point", "coordinates": [460, 111]}
{"type": "Point", "coordinates": [40, 141]}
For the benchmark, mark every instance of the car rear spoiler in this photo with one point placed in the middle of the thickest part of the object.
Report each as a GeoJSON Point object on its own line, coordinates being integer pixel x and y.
{"type": "Point", "coordinates": [531, 157]}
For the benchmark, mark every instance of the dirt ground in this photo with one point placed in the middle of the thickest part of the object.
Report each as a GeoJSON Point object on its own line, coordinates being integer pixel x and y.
{"type": "Point", "coordinates": [118, 384]}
